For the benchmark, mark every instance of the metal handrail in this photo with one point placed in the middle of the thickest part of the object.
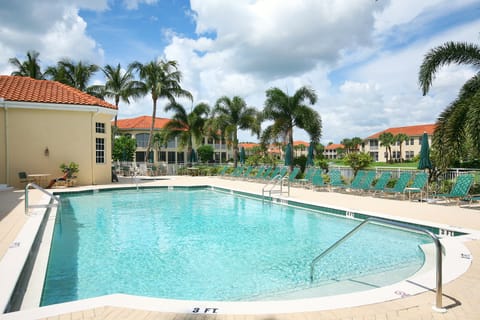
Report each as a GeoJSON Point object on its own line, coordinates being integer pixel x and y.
{"type": "Point", "coordinates": [438, 252]}
{"type": "Point", "coordinates": [278, 178]}
{"type": "Point", "coordinates": [36, 186]}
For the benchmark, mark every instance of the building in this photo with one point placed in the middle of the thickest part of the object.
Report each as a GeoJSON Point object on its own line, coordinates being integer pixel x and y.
{"type": "Point", "coordinates": [45, 123]}
{"type": "Point", "coordinates": [172, 153]}
{"type": "Point", "coordinates": [409, 149]}
{"type": "Point", "coordinates": [332, 151]}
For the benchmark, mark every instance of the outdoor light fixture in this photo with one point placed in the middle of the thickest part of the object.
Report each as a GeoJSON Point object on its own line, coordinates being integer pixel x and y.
{"type": "Point", "coordinates": [46, 152]}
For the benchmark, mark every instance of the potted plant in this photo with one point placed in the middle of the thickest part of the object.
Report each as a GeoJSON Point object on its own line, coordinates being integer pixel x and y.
{"type": "Point", "coordinates": [70, 169]}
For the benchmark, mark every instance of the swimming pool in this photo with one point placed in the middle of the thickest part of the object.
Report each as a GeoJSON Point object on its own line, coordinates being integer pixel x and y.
{"type": "Point", "coordinates": [205, 244]}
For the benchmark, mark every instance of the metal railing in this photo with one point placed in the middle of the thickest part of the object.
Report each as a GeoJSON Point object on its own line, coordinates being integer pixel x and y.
{"type": "Point", "coordinates": [49, 205]}
{"type": "Point", "coordinates": [438, 252]}
{"type": "Point", "coordinates": [276, 181]}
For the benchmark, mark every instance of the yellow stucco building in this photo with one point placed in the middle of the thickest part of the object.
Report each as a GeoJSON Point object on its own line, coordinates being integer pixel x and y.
{"type": "Point", "coordinates": [44, 124]}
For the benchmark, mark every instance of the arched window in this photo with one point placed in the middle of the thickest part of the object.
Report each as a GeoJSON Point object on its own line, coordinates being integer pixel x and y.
{"type": "Point", "coordinates": [142, 140]}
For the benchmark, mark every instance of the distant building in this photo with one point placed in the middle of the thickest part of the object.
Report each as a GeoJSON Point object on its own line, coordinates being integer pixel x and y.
{"type": "Point", "coordinates": [332, 151]}
{"type": "Point", "coordinates": [139, 129]}
{"type": "Point", "coordinates": [410, 148]}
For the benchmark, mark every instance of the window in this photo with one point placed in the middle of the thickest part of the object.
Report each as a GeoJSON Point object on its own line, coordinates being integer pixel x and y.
{"type": "Point", "coordinates": [420, 140]}
{"type": "Point", "coordinates": [412, 141]}
{"type": "Point", "coordinates": [99, 127]}
{"type": "Point", "coordinates": [171, 157]}
{"type": "Point", "coordinates": [162, 156]}
{"type": "Point", "coordinates": [142, 140]}
{"type": "Point", "coordinates": [140, 156]}
{"type": "Point", "coordinates": [171, 144]}
{"type": "Point", "coordinates": [180, 157]}
{"type": "Point", "coordinates": [100, 150]}
{"type": "Point", "coordinates": [373, 143]}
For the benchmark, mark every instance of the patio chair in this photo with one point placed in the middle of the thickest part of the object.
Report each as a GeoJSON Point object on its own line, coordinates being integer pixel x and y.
{"type": "Point", "coordinates": [381, 182]}
{"type": "Point", "coordinates": [266, 173]}
{"type": "Point", "coordinates": [417, 186]}
{"type": "Point", "coordinates": [283, 171]}
{"type": "Point", "coordinates": [273, 174]}
{"type": "Point", "coordinates": [293, 175]}
{"type": "Point", "coordinates": [400, 185]}
{"type": "Point", "coordinates": [307, 178]}
{"type": "Point", "coordinates": [23, 176]}
{"type": "Point", "coordinates": [459, 190]}
{"type": "Point", "coordinates": [259, 174]}
{"type": "Point", "coordinates": [223, 171]}
{"type": "Point", "coordinates": [364, 182]}
{"type": "Point", "coordinates": [247, 172]}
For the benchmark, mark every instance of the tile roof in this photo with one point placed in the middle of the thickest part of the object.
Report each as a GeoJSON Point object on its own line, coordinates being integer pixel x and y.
{"type": "Point", "coordinates": [299, 142]}
{"type": "Point", "coordinates": [410, 131]}
{"type": "Point", "coordinates": [248, 145]}
{"type": "Point", "coordinates": [25, 89]}
{"type": "Point", "coordinates": [141, 122]}
{"type": "Point", "coordinates": [335, 146]}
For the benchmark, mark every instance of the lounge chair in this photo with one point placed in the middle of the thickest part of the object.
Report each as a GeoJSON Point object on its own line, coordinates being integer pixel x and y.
{"type": "Point", "coordinates": [259, 173]}
{"type": "Point", "coordinates": [459, 190]}
{"type": "Point", "coordinates": [381, 182]}
{"type": "Point", "coordinates": [266, 173]}
{"type": "Point", "coordinates": [400, 185]}
{"type": "Point", "coordinates": [364, 182]}
{"type": "Point", "coordinates": [317, 180]}
{"type": "Point", "coordinates": [273, 174]}
{"type": "Point", "coordinates": [307, 178]}
{"type": "Point", "coordinates": [283, 171]}
{"type": "Point", "coordinates": [293, 175]}
{"type": "Point", "coordinates": [247, 172]}
{"type": "Point", "coordinates": [335, 180]}
{"type": "Point", "coordinates": [417, 186]}
{"type": "Point", "coordinates": [223, 171]}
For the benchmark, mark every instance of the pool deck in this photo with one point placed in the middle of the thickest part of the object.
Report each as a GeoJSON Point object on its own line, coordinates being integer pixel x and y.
{"type": "Point", "coordinates": [461, 297]}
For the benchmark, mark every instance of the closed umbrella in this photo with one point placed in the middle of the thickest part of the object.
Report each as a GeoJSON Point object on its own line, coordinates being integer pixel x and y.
{"type": "Point", "coordinates": [193, 156]}
{"type": "Point", "coordinates": [288, 155]}
{"type": "Point", "coordinates": [310, 155]}
{"type": "Point", "coordinates": [424, 162]}
{"type": "Point", "coordinates": [242, 155]}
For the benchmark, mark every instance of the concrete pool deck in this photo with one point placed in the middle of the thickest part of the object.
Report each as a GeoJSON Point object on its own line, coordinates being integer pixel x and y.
{"type": "Point", "coordinates": [461, 297]}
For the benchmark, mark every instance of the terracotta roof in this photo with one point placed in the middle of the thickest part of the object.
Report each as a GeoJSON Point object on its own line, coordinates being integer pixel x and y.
{"type": "Point", "coordinates": [335, 146]}
{"type": "Point", "coordinates": [141, 122]}
{"type": "Point", "coordinates": [25, 89]}
{"type": "Point", "coordinates": [410, 131]}
{"type": "Point", "coordinates": [248, 145]}
{"type": "Point", "coordinates": [299, 142]}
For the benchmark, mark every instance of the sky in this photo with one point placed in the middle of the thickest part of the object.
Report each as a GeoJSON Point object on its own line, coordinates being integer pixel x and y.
{"type": "Point", "coordinates": [361, 57]}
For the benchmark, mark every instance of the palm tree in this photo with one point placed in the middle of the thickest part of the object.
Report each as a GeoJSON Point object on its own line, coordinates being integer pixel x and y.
{"type": "Point", "coordinates": [386, 140]}
{"type": "Point", "coordinates": [28, 68]}
{"type": "Point", "coordinates": [288, 112]}
{"type": "Point", "coordinates": [188, 127]}
{"type": "Point", "coordinates": [232, 115]}
{"type": "Point", "coordinates": [457, 133]}
{"type": "Point", "coordinates": [162, 80]}
{"type": "Point", "coordinates": [401, 138]}
{"type": "Point", "coordinates": [76, 75]}
{"type": "Point", "coordinates": [119, 86]}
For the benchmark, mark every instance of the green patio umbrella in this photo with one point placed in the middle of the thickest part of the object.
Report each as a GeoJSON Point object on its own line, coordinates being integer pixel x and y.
{"type": "Point", "coordinates": [242, 155]}
{"type": "Point", "coordinates": [288, 155]}
{"type": "Point", "coordinates": [424, 162]}
{"type": "Point", "coordinates": [193, 156]}
{"type": "Point", "coordinates": [310, 154]}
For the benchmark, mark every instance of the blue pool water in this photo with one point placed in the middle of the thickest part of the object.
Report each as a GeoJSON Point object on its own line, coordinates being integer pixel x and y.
{"type": "Point", "coordinates": [209, 245]}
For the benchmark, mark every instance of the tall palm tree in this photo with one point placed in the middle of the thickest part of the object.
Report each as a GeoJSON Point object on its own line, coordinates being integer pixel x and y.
{"type": "Point", "coordinates": [288, 112]}
{"type": "Point", "coordinates": [401, 138]}
{"type": "Point", "coordinates": [457, 133]}
{"type": "Point", "coordinates": [188, 127]}
{"type": "Point", "coordinates": [162, 80]}
{"type": "Point", "coordinates": [120, 85]}
{"type": "Point", "coordinates": [232, 115]}
{"type": "Point", "coordinates": [28, 68]}
{"type": "Point", "coordinates": [73, 74]}
{"type": "Point", "coordinates": [386, 140]}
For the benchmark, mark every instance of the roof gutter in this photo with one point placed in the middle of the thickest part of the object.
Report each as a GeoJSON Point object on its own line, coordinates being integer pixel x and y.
{"type": "Point", "coordinates": [62, 107]}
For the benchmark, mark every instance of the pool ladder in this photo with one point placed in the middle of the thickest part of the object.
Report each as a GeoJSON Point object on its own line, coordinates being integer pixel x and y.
{"type": "Point", "coordinates": [276, 181]}
{"type": "Point", "coordinates": [438, 252]}
{"type": "Point", "coordinates": [51, 204]}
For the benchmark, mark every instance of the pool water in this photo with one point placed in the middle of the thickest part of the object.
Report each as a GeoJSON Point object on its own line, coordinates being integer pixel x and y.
{"type": "Point", "coordinates": [210, 245]}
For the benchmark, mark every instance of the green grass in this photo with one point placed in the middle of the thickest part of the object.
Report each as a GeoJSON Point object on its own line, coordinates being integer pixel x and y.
{"type": "Point", "coordinates": [409, 165]}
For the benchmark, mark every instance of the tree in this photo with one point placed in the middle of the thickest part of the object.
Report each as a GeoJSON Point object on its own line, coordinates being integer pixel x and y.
{"type": "Point", "coordinates": [357, 161]}
{"type": "Point", "coordinates": [28, 68]}
{"type": "Point", "coordinates": [232, 115]}
{"type": "Point", "coordinates": [119, 86]}
{"type": "Point", "coordinates": [457, 132]}
{"type": "Point", "coordinates": [205, 153]}
{"type": "Point", "coordinates": [124, 148]}
{"type": "Point", "coordinates": [288, 112]}
{"type": "Point", "coordinates": [76, 75]}
{"type": "Point", "coordinates": [188, 127]}
{"type": "Point", "coordinates": [401, 138]}
{"type": "Point", "coordinates": [386, 140]}
{"type": "Point", "coordinates": [162, 80]}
